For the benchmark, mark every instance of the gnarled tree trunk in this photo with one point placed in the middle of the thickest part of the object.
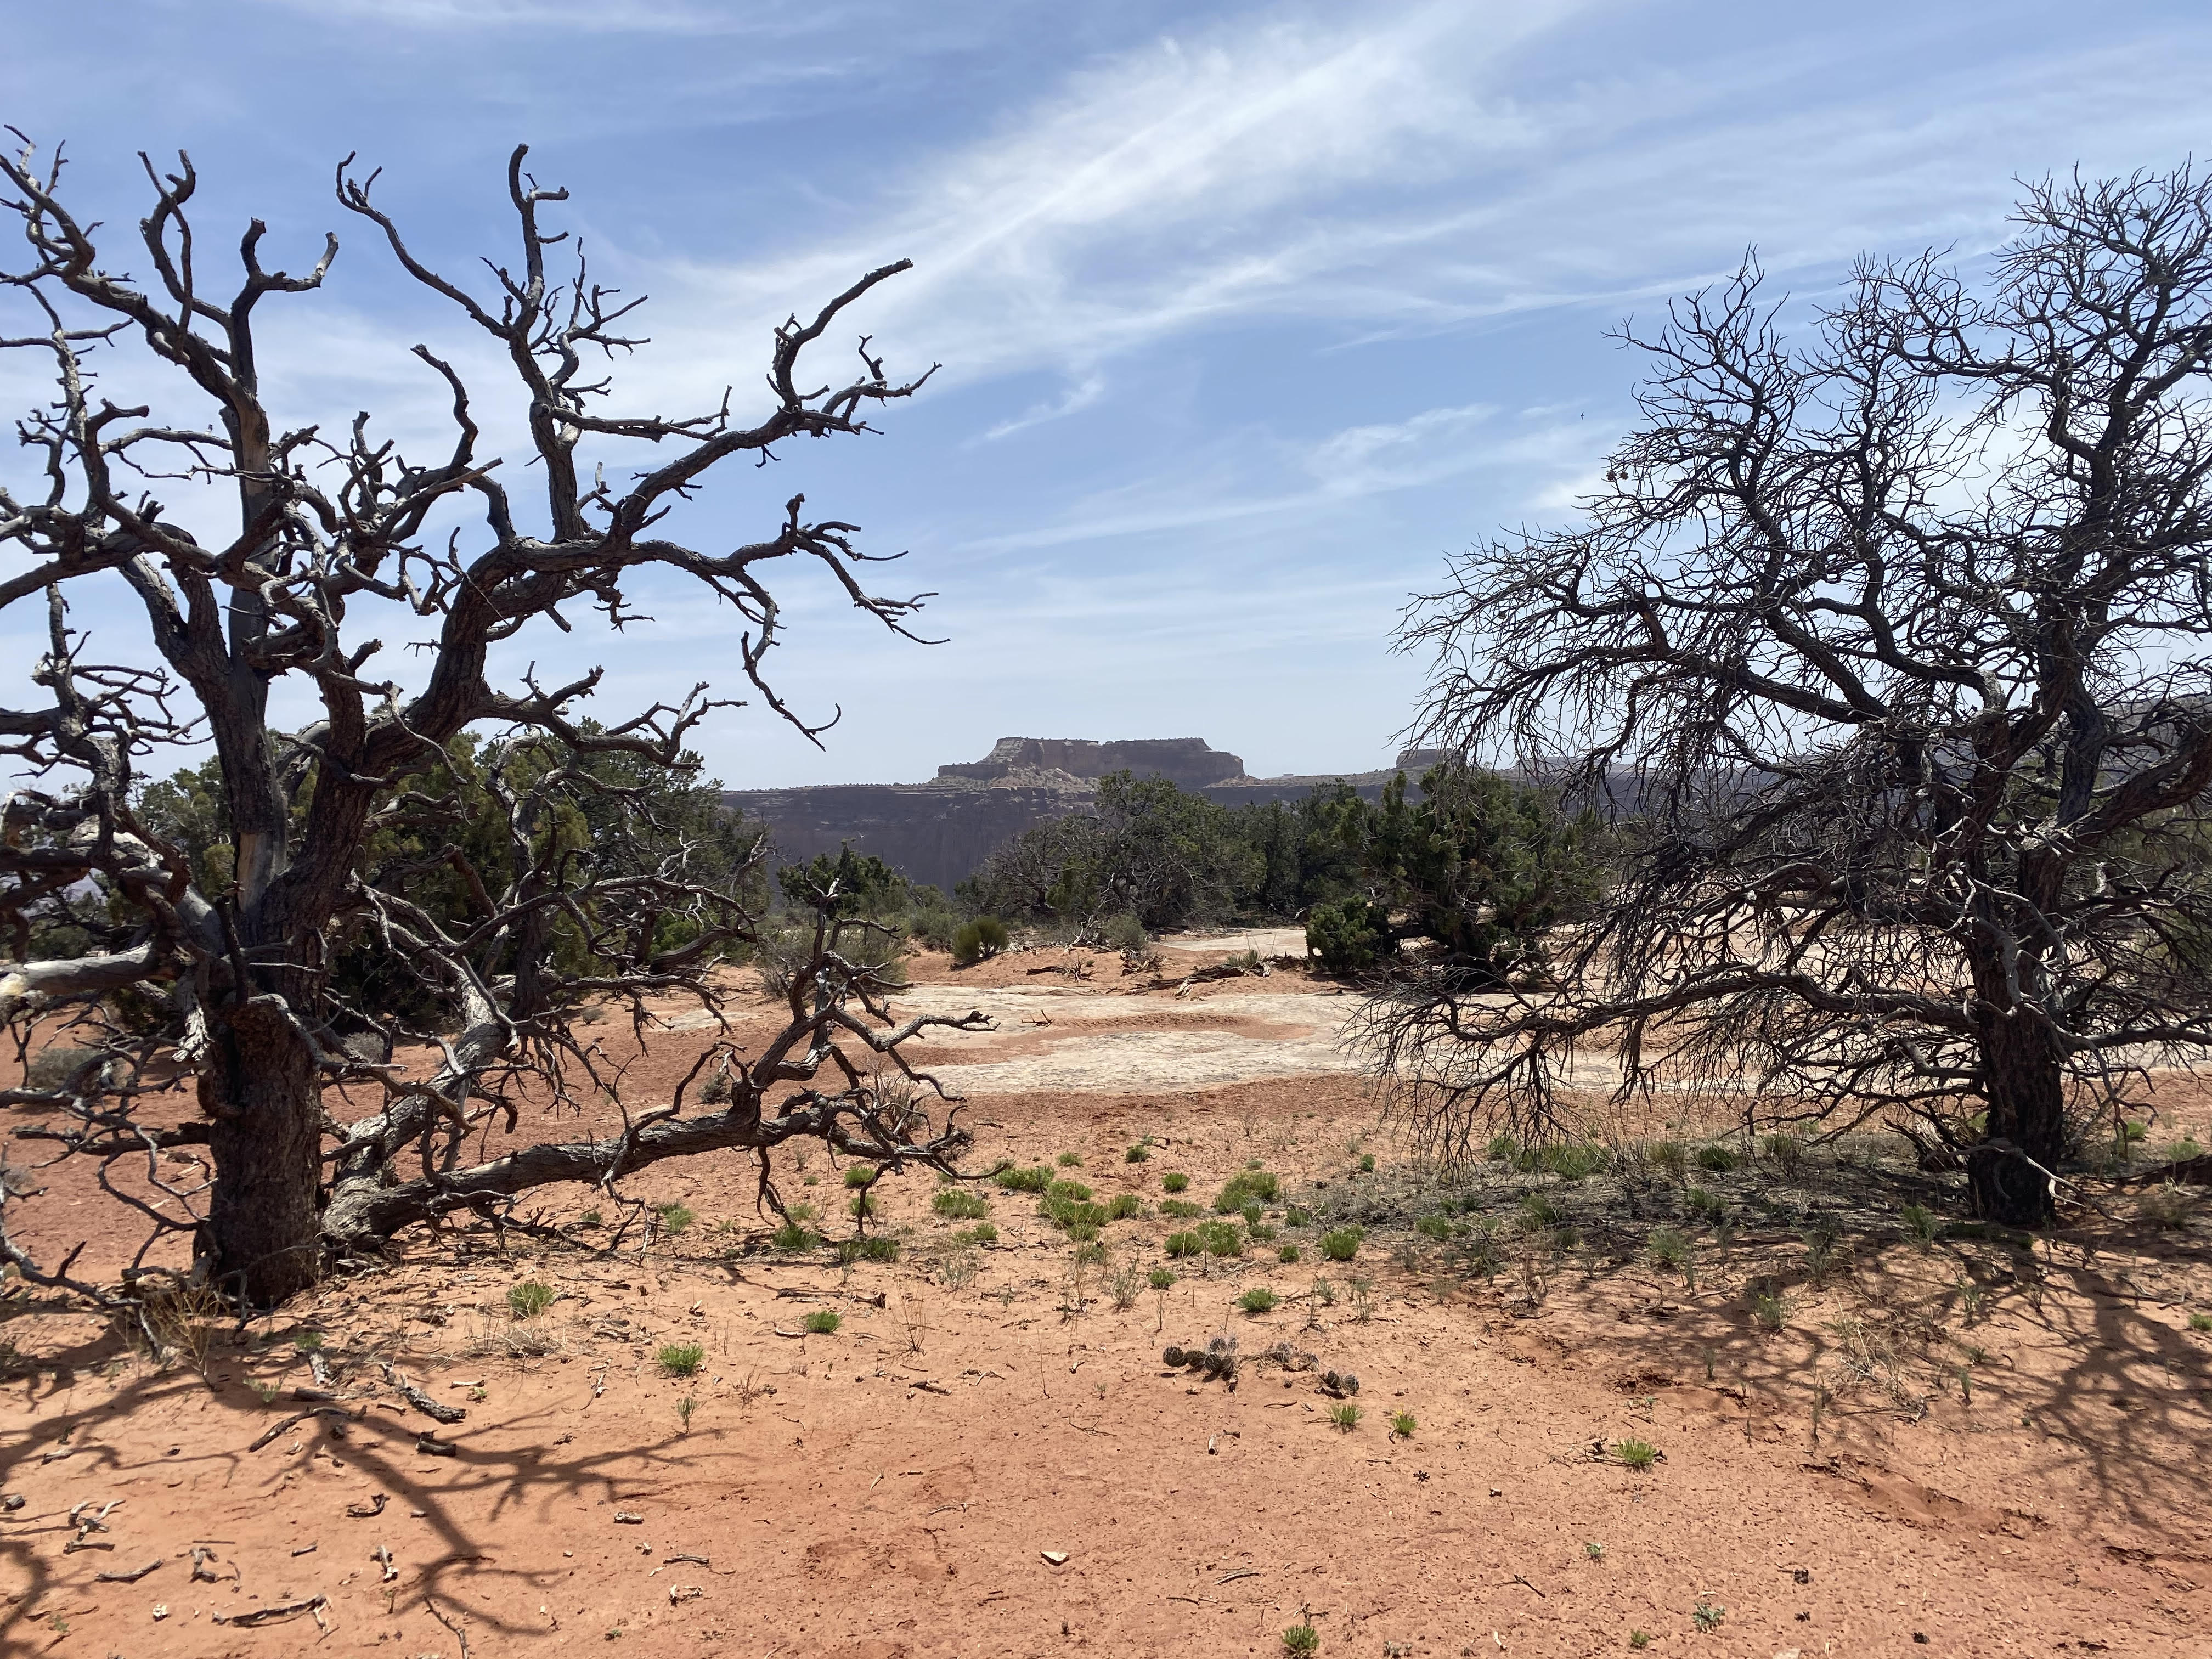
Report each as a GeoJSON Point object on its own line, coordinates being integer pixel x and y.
{"type": "Point", "coordinates": [262, 1096]}
{"type": "Point", "coordinates": [2025, 1134]}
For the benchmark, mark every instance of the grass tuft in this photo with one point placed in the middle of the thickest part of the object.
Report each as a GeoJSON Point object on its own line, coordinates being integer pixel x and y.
{"type": "Point", "coordinates": [680, 1358]}
{"type": "Point", "coordinates": [1342, 1243]}
{"type": "Point", "coordinates": [529, 1299]}
{"type": "Point", "coordinates": [1638, 1454]}
{"type": "Point", "coordinates": [822, 1321]}
{"type": "Point", "coordinates": [1257, 1300]}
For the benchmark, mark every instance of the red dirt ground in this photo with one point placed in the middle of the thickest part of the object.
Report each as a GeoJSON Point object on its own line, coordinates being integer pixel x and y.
{"type": "Point", "coordinates": [2004, 1461]}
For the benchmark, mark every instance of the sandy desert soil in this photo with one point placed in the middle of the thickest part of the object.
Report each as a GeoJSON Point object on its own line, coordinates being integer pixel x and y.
{"type": "Point", "coordinates": [1964, 1448]}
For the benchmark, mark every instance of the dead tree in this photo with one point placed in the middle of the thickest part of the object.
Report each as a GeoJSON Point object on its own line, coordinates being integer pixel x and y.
{"type": "Point", "coordinates": [208, 1018]}
{"type": "Point", "coordinates": [1894, 644]}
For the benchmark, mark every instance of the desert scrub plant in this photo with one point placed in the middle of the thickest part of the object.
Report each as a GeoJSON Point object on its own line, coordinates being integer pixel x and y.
{"type": "Point", "coordinates": [1123, 1206]}
{"type": "Point", "coordinates": [2200, 1321]}
{"type": "Point", "coordinates": [1671, 1158]}
{"type": "Point", "coordinates": [1766, 1310]}
{"type": "Point", "coordinates": [309, 1341]}
{"type": "Point", "coordinates": [1541, 1212]}
{"type": "Point", "coordinates": [972, 941]}
{"type": "Point", "coordinates": [868, 1249]}
{"type": "Point", "coordinates": [1033, 1180]}
{"type": "Point", "coordinates": [792, 1235]}
{"type": "Point", "coordinates": [1123, 1284]}
{"type": "Point", "coordinates": [1297, 1216]}
{"type": "Point", "coordinates": [1174, 1180]}
{"type": "Point", "coordinates": [958, 1204]}
{"type": "Point", "coordinates": [1257, 1300]}
{"type": "Point", "coordinates": [529, 1299]}
{"type": "Point", "coordinates": [1708, 1615]}
{"type": "Point", "coordinates": [1635, 1454]}
{"type": "Point", "coordinates": [1161, 1279]}
{"type": "Point", "coordinates": [680, 1358]}
{"type": "Point", "coordinates": [1784, 1152]}
{"type": "Point", "coordinates": [1286, 1253]}
{"type": "Point", "coordinates": [982, 1232]}
{"type": "Point", "coordinates": [1402, 1426]}
{"type": "Point", "coordinates": [674, 1217]}
{"type": "Point", "coordinates": [1704, 1205]}
{"type": "Point", "coordinates": [1367, 1163]}
{"type": "Point", "coordinates": [859, 1175]}
{"type": "Point", "coordinates": [1302, 1641]}
{"type": "Point", "coordinates": [1184, 1244]}
{"type": "Point", "coordinates": [1667, 1249]}
{"type": "Point", "coordinates": [1138, 1153]}
{"type": "Point", "coordinates": [1345, 1416]}
{"type": "Point", "coordinates": [1247, 1186]}
{"type": "Point", "coordinates": [1342, 1243]}
{"type": "Point", "coordinates": [1181, 1209]}
{"type": "Point", "coordinates": [1435, 1227]}
{"type": "Point", "coordinates": [1221, 1238]}
{"type": "Point", "coordinates": [1070, 1160]}
{"type": "Point", "coordinates": [1639, 1639]}
{"type": "Point", "coordinates": [1717, 1159]}
{"type": "Point", "coordinates": [957, 1268]}
{"type": "Point", "coordinates": [1919, 1224]}
{"type": "Point", "coordinates": [862, 1203]}
{"type": "Point", "coordinates": [1252, 1213]}
{"type": "Point", "coordinates": [822, 1321]}
{"type": "Point", "coordinates": [1570, 1160]}
{"type": "Point", "coordinates": [1068, 1189]}
{"type": "Point", "coordinates": [2167, 1207]}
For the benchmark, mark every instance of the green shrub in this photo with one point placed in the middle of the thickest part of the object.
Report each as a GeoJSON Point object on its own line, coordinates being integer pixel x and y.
{"type": "Point", "coordinates": [1785, 1153]}
{"type": "Point", "coordinates": [1367, 1163]}
{"type": "Point", "coordinates": [981, 1233]}
{"type": "Point", "coordinates": [1716, 1158]}
{"type": "Point", "coordinates": [1174, 1180]}
{"type": "Point", "coordinates": [1667, 1249]}
{"type": "Point", "coordinates": [790, 1236]}
{"type": "Point", "coordinates": [1636, 1454]}
{"type": "Point", "coordinates": [2200, 1321]}
{"type": "Point", "coordinates": [1288, 1252]}
{"type": "Point", "coordinates": [1067, 1190]}
{"type": "Point", "coordinates": [1181, 1209]}
{"type": "Point", "coordinates": [1704, 1205]}
{"type": "Point", "coordinates": [1540, 1213]}
{"type": "Point", "coordinates": [1298, 1216]}
{"type": "Point", "coordinates": [958, 1204]}
{"type": "Point", "coordinates": [1707, 1615]}
{"type": "Point", "coordinates": [1342, 1243]}
{"type": "Point", "coordinates": [1220, 1238]}
{"type": "Point", "coordinates": [1919, 1224]}
{"type": "Point", "coordinates": [972, 941]}
{"type": "Point", "coordinates": [1252, 1213]}
{"type": "Point", "coordinates": [1345, 1416]}
{"type": "Point", "coordinates": [1435, 1227]}
{"type": "Point", "coordinates": [1402, 1426]}
{"type": "Point", "coordinates": [309, 1341]}
{"type": "Point", "coordinates": [1766, 1308]}
{"type": "Point", "coordinates": [674, 1217]}
{"type": "Point", "coordinates": [1671, 1158]}
{"type": "Point", "coordinates": [1160, 1278]}
{"type": "Point", "coordinates": [1125, 1205]}
{"type": "Point", "coordinates": [1301, 1641]}
{"type": "Point", "coordinates": [862, 1203]}
{"type": "Point", "coordinates": [1350, 936]}
{"type": "Point", "coordinates": [859, 1175]}
{"type": "Point", "coordinates": [680, 1358]}
{"type": "Point", "coordinates": [2133, 1130]}
{"type": "Point", "coordinates": [1503, 1149]}
{"type": "Point", "coordinates": [821, 1322]}
{"type": "Point", "coordinates": [1568, 1160]}
{"type": "Point", "coordinates": [1034, 1180]}
{"type": "Point", "coordinates": [1184, 1244]}
{"type": "Point", "coordinates": [868, 1249]}
{"type": "Point", "coordinates": [1138, 1153]}
{"type": "Point", "coordinates": [1257, 1300]}
{"type": "Point", "coordinates": [1123, 933]}
{"type": "Point", "coordinates": [526, 1300]}
{"type": "Point", "coordinates": [1247, 1186]}
{"type": "Point", "coordinates": [1071, 1160]}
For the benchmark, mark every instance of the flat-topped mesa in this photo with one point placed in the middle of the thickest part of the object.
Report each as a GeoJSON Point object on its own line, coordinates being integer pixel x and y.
{"type": "Point", "coordinates": [1188, 763]}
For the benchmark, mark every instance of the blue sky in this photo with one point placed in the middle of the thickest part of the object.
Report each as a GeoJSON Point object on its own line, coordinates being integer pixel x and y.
{"type": "Point", "coordinates": [1248, 315]}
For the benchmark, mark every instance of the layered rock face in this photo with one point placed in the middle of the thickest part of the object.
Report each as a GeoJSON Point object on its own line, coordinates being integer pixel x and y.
{"type": "Point", "coordinates": [939, 832]}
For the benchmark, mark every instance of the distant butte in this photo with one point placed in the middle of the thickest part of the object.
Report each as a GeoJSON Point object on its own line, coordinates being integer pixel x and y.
{"type": "Point", "coordinates": [939, 832]}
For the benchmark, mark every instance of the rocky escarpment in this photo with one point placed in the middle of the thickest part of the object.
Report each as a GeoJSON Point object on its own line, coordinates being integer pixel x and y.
{"type": "Point", "coordinates": [939, 832]}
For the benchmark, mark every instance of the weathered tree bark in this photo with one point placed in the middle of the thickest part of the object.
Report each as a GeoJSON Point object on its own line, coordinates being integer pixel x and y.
{"type": "Point", "coordinates": [263, 1097]}
{"type": "Point", "coordinates": [2008, 1171]}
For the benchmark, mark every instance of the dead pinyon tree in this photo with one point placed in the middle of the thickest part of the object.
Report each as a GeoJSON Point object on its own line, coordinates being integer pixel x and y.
{"type": "Point", "coordinates": [210, 1018]}
{"type": "Point", "coordinates": [1894, 645]}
